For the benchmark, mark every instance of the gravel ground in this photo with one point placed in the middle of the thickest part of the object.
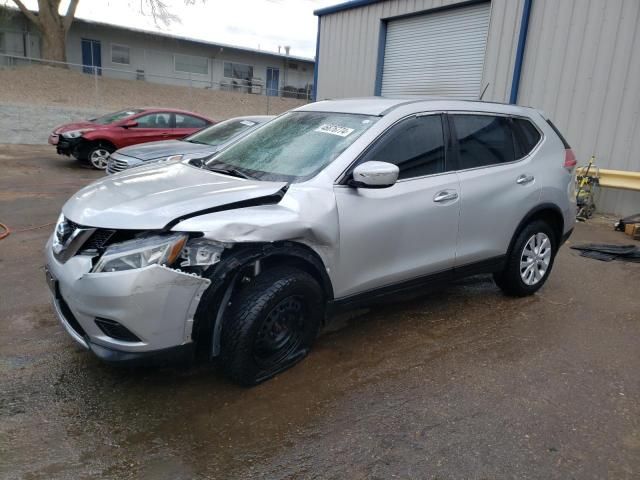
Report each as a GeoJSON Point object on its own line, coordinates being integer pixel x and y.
{"type": "Point", "coordinates": [31, 124]}
{"type": "Point", "coordinates": [35, 99]}
{"type": "Point", "coordinates": [463, 383]}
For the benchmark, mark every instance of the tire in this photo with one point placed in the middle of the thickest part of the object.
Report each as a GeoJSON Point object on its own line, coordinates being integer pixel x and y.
{"type": "Point", "coordinates": [536, 247]}
{"type": "Point", "coordinates": [271, 325]}
{"type": "Point", "coordinates": [98, 156]}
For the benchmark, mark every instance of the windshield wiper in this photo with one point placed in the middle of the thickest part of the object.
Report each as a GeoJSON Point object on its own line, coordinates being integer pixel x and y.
{"type": "Point", "coordinates": [227, 171]}
{"type": "Point", "coordinates": [197, 141]}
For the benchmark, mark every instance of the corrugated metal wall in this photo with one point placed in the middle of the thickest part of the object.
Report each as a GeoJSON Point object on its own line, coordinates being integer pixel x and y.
{"type": "Point", "coordinates": [581, 66]}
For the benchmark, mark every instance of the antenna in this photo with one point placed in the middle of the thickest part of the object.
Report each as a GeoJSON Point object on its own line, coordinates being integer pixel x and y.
{"type": "Point", "coordinates": [485, 89]}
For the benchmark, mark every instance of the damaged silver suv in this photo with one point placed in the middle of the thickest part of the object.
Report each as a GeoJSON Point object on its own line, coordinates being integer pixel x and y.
{"type": "Point", "coordinates": [243, 256]}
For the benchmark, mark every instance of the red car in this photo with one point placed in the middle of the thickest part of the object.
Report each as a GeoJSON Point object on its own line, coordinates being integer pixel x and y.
{"type": "Point", "coordinates": [93, 141]}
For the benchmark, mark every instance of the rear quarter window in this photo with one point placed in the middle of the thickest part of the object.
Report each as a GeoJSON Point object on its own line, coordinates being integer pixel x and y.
{"type": "Point", "coordinates": [527, 136]}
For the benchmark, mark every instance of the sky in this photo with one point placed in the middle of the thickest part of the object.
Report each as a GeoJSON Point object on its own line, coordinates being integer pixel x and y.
{"type": "Point", "coordinates": [263, 24]}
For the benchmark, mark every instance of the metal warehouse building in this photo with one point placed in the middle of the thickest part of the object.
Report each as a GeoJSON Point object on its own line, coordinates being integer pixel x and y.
{"type": "Point", "coordinates": [578, 60]}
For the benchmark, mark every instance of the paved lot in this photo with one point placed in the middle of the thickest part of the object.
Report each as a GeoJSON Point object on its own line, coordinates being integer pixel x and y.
{"type": "Point", "coordinates": [464, 383]}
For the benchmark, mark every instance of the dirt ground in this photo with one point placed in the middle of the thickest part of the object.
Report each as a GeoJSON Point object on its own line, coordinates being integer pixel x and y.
{"type": "Point", "coordinates": [464, 383]}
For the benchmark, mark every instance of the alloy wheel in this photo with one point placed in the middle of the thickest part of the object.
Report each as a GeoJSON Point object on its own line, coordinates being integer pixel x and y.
{"type": "Point", "coordinates": [99, 158]}
{"type": "Point", "coordinates": [535, 259]}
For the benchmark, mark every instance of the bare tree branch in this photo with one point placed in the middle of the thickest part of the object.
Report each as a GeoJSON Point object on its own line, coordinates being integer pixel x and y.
{"type": "Point", "coordinates": [27, 13]}
{"type": "Point", "coordinates": [70, 15]}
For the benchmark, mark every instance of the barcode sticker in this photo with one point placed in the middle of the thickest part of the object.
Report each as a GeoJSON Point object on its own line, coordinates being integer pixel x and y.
{"type": "Point", "coordinates": [334, 130]}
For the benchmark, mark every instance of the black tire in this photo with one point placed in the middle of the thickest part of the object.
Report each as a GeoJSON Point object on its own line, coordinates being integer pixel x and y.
{"type": "Point", "coordinates": [510, 280]}
{"type": "Point", "coordinates": [271, 325]}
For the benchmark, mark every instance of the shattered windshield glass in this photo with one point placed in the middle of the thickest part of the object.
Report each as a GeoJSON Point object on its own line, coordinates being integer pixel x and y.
{"type": "Point", "coordinates": [295, 146]}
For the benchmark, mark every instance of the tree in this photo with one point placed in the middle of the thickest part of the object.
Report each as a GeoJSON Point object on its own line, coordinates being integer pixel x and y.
{"type": "Point", "coordinates": [54, 26]}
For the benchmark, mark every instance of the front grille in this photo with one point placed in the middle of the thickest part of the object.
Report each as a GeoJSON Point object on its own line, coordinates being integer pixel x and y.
{"type": "Point", "coordinates": [116, 165]}
{"type": "Point", "coordinates": [115, 330]}
{"type": "Point", "coordinates": [99, 239]}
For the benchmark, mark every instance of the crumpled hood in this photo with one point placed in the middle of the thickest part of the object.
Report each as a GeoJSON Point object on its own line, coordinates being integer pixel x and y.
{"type": "Point", "coordinates": [166, 148]}
{"type": "Point", "coordinates": [69, 127]}
{"type": "Point", "coordinates": [149, 197]}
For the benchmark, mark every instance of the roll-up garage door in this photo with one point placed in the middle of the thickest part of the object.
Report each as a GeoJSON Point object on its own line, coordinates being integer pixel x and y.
{"type": "Point", "coordinates": [440, 53]}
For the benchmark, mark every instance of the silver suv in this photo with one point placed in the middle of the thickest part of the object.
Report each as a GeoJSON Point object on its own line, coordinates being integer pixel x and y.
{"type": "Point", "coordinates": [334, 204]}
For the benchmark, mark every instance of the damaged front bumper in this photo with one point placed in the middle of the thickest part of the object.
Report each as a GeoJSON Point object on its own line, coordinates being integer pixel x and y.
{"type": "Point", "coordinates": [124, 316]}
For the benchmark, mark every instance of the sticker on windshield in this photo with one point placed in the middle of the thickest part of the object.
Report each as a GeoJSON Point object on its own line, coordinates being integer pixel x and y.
{"type": "Point", "coordinates": [248, 123]}
{"type": "Point", "coordinates": [334, 130]}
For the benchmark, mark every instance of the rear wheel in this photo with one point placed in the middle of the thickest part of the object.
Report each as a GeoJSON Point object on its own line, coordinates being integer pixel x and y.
{"type": "Point", "coordinates": [271, 325]}
{"type": "Point", "coordinates": [98, 156]}
{"type": "Point", "coordinates": [530, 260]}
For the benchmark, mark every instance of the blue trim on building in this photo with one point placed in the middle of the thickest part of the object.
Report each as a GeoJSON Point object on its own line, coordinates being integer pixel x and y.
{"type": "Point", "coordinates": [522, 41]}
{"type": "Point", "coordinates": [382, 41]}
{"type": "Point", "coordinates": [344, 6]}
{"type": "Point", "coordinates": [314, 94]}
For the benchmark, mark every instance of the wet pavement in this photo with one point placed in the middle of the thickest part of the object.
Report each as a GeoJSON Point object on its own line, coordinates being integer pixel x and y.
{"type": "Point", "coordinates": [463, 383]}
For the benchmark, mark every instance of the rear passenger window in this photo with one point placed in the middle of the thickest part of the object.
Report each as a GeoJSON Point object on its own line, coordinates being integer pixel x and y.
{"type": "Point", "coordinates": [483, 140]}
{"type": "Point", "coordinates": [527, 136]}
{"type": "Point", "coordinates": [187, 121]}
{"type": "Point", "coordinates": [415, 145]}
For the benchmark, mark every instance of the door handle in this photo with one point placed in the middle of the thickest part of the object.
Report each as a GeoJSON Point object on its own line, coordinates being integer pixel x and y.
{"type": "Point", "coordinates": [524, 179]}
{"type": "Point", "coordinates": [445, 196]}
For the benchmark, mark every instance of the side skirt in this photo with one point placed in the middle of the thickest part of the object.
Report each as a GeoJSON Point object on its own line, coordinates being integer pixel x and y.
{"type": "Point", "coordinates": [419, 285]}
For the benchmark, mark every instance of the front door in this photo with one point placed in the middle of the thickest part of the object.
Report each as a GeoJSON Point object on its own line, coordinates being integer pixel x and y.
{"type": "Point", "coordinates": [407, 231]}
{"type": "Point", "coordinates": [91, 56]}
{"type": "Point", "coordinates": [273, 81]}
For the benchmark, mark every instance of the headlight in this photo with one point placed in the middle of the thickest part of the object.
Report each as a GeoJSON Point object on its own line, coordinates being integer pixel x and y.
{"type": "Point", "coordinates": [141, 252]}
{"type": "Point", "coordinates": [75, 133]}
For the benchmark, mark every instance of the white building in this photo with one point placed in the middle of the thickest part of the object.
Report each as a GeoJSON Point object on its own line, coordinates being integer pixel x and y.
{"type": "Point", "coordinates": [578, 61]}
{"type": "Point", "coordinates": [114, 51]}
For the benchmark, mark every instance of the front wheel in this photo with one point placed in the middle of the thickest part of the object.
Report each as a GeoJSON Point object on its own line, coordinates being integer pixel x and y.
{"type": "Point", "coordinates": [98, 156]}
{"type": "Point", "coordinates": [272, 324]}
{"type": "Point", "coordinates": [530, 261]}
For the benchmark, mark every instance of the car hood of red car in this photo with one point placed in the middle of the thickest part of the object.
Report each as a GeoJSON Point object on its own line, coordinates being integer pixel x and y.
{"type": "Point", "coordinates": [69, 127]}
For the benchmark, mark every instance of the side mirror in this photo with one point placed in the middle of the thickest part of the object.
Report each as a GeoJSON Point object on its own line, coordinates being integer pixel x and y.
{"type": "Point", "coordinates": [375, 175]}
{"type": "Point", "coordinates": [130, 124]}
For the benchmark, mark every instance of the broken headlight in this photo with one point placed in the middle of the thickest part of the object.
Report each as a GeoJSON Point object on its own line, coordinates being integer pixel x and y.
{"type": "Point", "coordinates": [142, 252]}
{"type": "Point", "coordinates": [200, 252]}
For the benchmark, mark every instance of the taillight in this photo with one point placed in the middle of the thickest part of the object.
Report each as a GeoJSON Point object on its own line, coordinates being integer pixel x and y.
{"type": "Point", "coordinates": [569, 159]}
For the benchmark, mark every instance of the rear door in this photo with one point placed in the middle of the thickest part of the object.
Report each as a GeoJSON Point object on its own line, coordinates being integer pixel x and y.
{"type": "Point", "coordinates": [186, 125]}
{"type": "Point", "coordinates": [151, 127]}
{"type": "Point", "coordinates": [391, 235]}
{"type": "Point", "coordinates": [497, 183]}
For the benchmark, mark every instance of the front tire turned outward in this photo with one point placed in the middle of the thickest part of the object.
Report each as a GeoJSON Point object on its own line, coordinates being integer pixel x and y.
{"type": "Point", "coordinates": [530, 261]}
{"type": "Point", "coordinates": [271, 325]}
{"type": "Point", "coordinates": [98, 156]}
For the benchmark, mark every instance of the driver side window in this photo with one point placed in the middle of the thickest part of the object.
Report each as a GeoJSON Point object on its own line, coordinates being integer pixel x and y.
{"type": "Point", "coordinates": [416, 145]}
